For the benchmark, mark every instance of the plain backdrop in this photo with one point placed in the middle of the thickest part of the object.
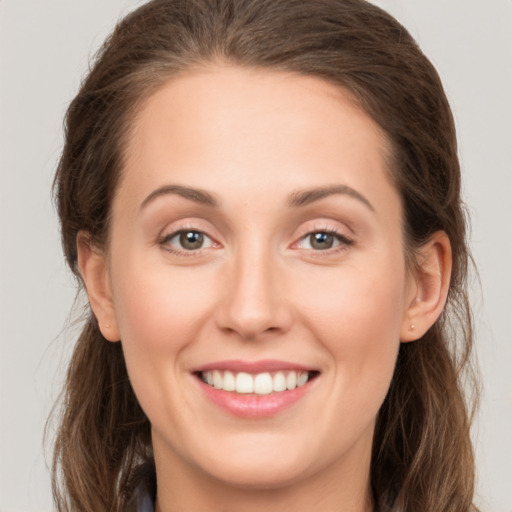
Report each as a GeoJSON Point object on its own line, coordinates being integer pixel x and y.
{"type": "Point", "coordinates": [45, 46]}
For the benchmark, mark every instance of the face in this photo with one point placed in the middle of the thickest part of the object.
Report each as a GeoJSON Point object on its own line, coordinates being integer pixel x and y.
{"type": "Point", "coordinates": [257, 276]}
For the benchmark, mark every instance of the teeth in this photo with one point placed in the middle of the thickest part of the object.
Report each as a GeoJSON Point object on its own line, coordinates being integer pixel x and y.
{"type": "Point", "coordinates": [302, 378]}
{"type": "Point", "coordinates": [260, 384]}
{"type": "Point", "coordinates": [291, 381]}
{"type": "Point", "coordinates": [280, 381]}
{"type": "Point", "coordinates": [263, 384]}
{"type": "Point", "coordinates": [217, 379]}
{"type": "Point", "coordinates": [229, 383]}
{"type": "Point", "coordinates": [244, 383]}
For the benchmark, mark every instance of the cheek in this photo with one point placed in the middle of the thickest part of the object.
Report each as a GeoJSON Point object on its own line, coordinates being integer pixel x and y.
{"type": "Point", "coordinates": [160, 312]}
{"type": "Point", "coordinates": [355, 305]}
{"type": "Point", "coordinates": [357, 317]}
{"type": "Point", "coordinates": [159, 309]}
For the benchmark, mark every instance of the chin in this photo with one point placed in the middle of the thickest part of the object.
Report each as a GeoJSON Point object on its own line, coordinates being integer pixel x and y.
{"type": "Point", "coordinates": [260, 476]}
{"type": "Point", "coordinates": [260, 463]}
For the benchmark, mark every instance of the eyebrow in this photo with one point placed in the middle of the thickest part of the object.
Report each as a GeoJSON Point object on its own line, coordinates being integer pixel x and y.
{"type": "Point", "coordinates": [305, 197]}
{"type": "Point", "coordinates": [192, 194]}
{"type": "Point", "coordinates": [295, 200]}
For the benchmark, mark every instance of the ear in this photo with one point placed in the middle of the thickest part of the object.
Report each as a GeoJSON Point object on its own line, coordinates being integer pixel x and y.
{"type": "Point", "coordinates": [428, 288]}
{"type": "Point", "coordinates": [93, 268]}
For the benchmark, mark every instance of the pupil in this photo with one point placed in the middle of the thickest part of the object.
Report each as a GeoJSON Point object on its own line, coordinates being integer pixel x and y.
{"type": "Point", "coordinates": [321, 241]}
{"type": "Point", "coordinates": [191, 240]}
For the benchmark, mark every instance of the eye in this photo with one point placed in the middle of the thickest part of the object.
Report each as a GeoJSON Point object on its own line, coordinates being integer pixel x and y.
{"type": "Point", "coordinates": [323, 240]}
{"type": "Point", "coordinates": [187, 240]}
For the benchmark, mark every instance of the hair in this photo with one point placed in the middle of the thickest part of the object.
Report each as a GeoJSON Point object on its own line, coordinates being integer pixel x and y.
{"type": "Point", "coordinates": [422, 457]}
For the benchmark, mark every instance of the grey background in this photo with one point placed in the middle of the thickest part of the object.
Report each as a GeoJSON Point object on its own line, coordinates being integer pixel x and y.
{"type": "Point", "coordinates": [44, 49]}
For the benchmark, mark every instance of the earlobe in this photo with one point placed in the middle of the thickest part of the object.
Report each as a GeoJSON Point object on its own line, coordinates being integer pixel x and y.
{"type": "Point", "coordinates": [430, 285]}
{"type": "Point", "coordinates": [94, 271]}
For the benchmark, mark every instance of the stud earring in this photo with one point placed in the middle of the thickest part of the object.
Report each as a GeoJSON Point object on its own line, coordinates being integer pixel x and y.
{"type": "Point", "coordinates": [411, 327]}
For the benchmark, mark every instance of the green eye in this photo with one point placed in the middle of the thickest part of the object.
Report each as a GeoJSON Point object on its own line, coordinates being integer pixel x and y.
{"type": "Point", "coordinates": [321, 241]}
{"type": "Point", "coordinates": [187, 240]}
{"type": "Point", "coordinates": [324, 240]}
{"type": "Point", "coordinates": [191, 240]}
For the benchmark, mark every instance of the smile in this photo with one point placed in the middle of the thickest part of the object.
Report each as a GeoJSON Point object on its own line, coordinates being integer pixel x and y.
{"type": "Point", "coordinates": [255, 389]}
{"type": "Point", "coordinates": [263, 383]}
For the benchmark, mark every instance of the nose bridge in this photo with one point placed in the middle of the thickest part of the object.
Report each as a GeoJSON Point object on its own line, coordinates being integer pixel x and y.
{"type": "Point", "coordinates": [253, 304]}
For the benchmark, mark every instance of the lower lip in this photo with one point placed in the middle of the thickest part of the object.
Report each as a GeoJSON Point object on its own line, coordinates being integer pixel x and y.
{"type": "Point", "coordinates": [254, 406]}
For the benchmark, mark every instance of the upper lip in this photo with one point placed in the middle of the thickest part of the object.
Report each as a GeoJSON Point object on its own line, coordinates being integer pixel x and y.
{"type": "Point", "coordinates": [267, 365]}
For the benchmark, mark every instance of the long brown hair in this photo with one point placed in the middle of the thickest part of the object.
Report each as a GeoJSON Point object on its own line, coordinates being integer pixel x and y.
{"type": "Point", "coordinates": [422, 456]}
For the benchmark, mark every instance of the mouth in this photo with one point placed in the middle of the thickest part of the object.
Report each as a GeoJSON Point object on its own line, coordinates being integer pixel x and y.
{"type": "Point", "coordinates": [255, 389]}
{"type": "Point", "coordinates": [258, 384]}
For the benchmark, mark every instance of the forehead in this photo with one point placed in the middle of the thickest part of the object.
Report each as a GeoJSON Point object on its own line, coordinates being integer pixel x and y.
{"type": "Point", "coordinates": [255, 129]}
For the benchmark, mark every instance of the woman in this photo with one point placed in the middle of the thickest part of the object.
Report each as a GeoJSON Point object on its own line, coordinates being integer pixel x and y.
{"type": "Point", "coordinates": [262, 200]}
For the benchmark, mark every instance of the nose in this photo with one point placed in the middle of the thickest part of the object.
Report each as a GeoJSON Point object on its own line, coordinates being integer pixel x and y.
{"type": "Point", "coordinates": [255, 300]}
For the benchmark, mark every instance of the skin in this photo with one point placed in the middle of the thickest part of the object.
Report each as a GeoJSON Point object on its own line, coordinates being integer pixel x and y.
{"type": "Point", "coordinates": [258, 289]}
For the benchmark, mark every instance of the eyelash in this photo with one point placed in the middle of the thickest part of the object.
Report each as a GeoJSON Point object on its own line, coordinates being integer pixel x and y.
{"type": "Point", "coordinates": [343, 240]}
{"type": "Point", "coordinates": [164, 242]}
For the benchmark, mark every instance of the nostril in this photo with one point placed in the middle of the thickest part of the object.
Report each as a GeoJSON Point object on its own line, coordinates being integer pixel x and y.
{"type": "Point", "coordinates": [253, 306]}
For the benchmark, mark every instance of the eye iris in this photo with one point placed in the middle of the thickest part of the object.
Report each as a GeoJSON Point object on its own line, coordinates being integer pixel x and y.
{"type": "Point", "coordinates": [191, 240]}
{"type": "Point", "coordinates": [321, 240]}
